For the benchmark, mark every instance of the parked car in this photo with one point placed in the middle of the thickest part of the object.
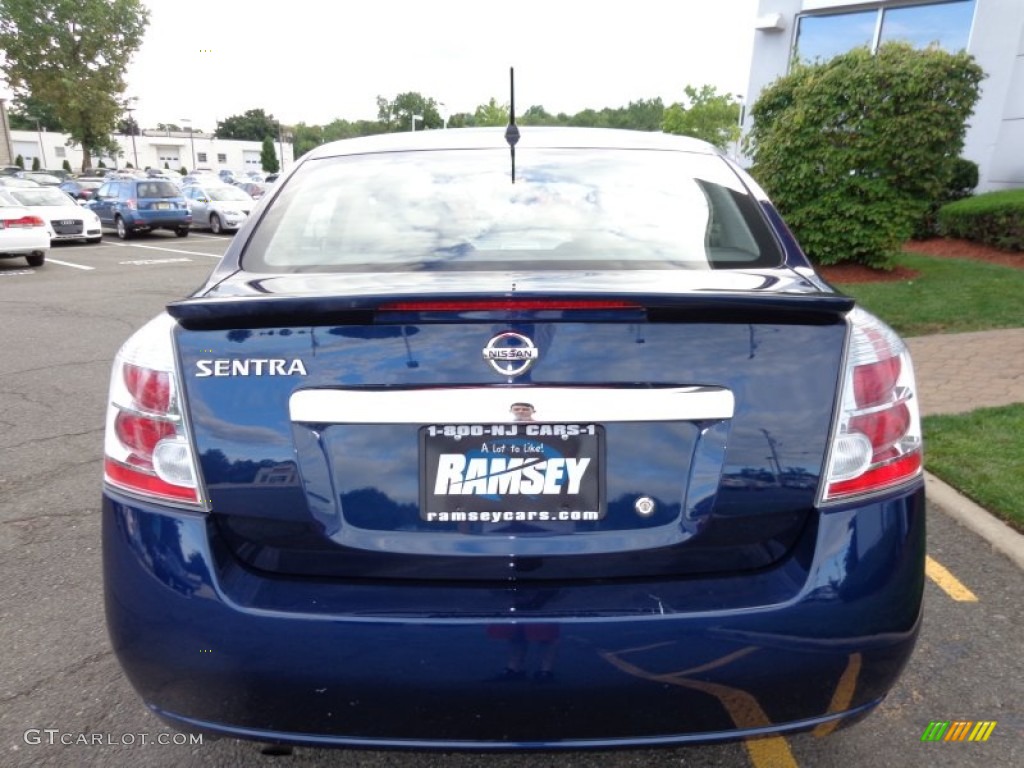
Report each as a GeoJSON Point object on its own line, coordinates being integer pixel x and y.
{"type": "Point", "coordinates": [130, 206]}
{"type": "Point", "coordinates": [81, 188]}
{"type": "Point", "coordinates": [17, 181]}
{"type": "Point", "coordinates": [220, 207]}
{"type": "Point", "coordinates": [437, 457]}
{"type": "Point", "coordinates": [255, 189]}
{"type": "Point", "coordinates": [41, 178]}
{"type": "Point", "coordinates": [65, 219]}
{"type": "Point", "coordinates": [22, 233]}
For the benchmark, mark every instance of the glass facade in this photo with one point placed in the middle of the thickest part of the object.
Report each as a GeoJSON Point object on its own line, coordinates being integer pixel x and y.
{"type": "Point", "coordinates": [946, 24]}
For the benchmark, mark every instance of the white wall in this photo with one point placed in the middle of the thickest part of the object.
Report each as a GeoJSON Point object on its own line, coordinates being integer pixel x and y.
{"type": "Point", "coordinates": [149, 149]}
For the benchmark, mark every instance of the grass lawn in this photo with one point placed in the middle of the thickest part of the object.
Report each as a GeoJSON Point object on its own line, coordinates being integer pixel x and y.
{"type": "Point", "coordinates": [947, 296]}
{"type": "Point", "coordinates": [981, 454]}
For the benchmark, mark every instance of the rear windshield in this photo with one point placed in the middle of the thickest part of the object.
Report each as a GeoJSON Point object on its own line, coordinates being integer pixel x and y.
{"type": "Point", "coordinates": [458, 210]}
{"type": "Point", "coordinates": [149, 189]}
{"type": "Point", "coordinates": [41, 196]}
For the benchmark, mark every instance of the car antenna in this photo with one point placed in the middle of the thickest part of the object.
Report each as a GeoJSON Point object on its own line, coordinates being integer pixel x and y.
{"type": "Point", "coordinates": [512, 131]}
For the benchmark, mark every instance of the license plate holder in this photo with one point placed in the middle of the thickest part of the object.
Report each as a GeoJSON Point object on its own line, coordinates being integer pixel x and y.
{"type": "Point", "coordinates": [518, 472]}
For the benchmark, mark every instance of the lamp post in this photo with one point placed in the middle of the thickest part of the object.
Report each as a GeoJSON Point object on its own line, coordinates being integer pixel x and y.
{"type": "Point", "coordinates": [192, 140]}
{"type": "Point", "coordinates": [281, 136]}
{"type": "Point", "coordinates": [743, 114]}
{"type": "Point", "coordinates": [39, 133]}
{"type": "Point", "coordinates": [130, 106]}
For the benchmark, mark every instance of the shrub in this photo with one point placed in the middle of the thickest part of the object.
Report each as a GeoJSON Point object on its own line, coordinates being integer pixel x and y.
{"type": "Point", "coordinates": [35, 164]}
{"type": "Point", "coordinates": [66, 165]}
{"type": "Point", "coordinates": [963, 180]}
{"type": "Point", "coordinates": [101, 164]}
{"type": "Point", "coordinates": [994, 218]}
{"type": "Point", "coordinates": [183, 171]}
{"type": "Point", "coordinates": [20, 162]}
{"type": "Point", "coordinates": [853, 150]}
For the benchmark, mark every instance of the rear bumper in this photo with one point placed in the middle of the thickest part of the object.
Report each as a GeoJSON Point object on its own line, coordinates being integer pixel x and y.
{"type": "Point", "coordinates": [152, 221]}
{"type": "Point", "coordinates": [216, 648]}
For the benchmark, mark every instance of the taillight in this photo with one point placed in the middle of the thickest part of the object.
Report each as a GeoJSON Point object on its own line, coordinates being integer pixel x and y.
{"type": "Point", "coordinates": [147, 449]}
{"type": "Point", "coordinates": [22, 222]}
{"type": "Point", "coordinates": [877, 443]}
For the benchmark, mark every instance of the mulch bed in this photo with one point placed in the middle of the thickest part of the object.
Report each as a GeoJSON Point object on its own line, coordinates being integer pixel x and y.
{"type": "Point", "coordinates": [936, 246]}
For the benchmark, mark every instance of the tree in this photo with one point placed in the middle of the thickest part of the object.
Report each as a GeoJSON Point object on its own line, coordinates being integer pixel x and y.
{"type": "Point", "coordinates": [491, 113]}
{"type": "Point", "coordinates": [306, 137]}
{"type": "Point", "coordinates": [706, 115]}
{"type": "Point", "coordinates": [71, 55]}
{"type": "Point", "coordinates": [25, 111]}
{"type": "Point", "coordinates": [169, 127]}
{"type": "Point", "coordinates": [128, 127]}
{"type": "Point", "coordinates": [397, 115]}
{"type": "Point", "coordinates": [253, 125]}
{"type": "Point", "coordinates": [268, 157]}
{"type": "Point", "coordinates": [854, 149]}
{"type": "Point", "coordinates": [35, 164]}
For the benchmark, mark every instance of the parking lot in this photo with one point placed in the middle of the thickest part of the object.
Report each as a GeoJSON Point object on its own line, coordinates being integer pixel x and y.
{"type": "Point", "coordinates": [65, 701]}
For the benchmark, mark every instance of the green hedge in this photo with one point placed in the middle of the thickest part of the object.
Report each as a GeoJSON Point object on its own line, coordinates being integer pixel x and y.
{"type": "Point", "coordinates": [994, 218]}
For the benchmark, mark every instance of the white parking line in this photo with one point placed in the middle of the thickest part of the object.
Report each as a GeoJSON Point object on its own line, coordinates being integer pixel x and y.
{"type": "Point", "coordinates": [156, 261]}
{"type": "Point", "coordinates": [67, 263]}
{"type": "Point", "coordinates": [168, 250]}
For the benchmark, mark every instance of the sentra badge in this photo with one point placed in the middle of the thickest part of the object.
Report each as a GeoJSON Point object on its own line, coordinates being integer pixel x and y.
{"type": "Point", "coordinates": [510, 353]}
{"type": "Point", "coordinates": [252, 366]}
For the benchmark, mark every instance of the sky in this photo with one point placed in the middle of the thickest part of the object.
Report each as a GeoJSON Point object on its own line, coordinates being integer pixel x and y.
{"type": "Point", "coordinates": [315, 61]}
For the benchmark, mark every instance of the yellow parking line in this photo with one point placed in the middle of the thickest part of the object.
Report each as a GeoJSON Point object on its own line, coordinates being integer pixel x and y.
{"type": "Point", "coordinates": [947, 582]}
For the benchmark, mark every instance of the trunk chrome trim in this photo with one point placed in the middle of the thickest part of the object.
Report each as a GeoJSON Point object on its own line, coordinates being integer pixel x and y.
{"type": "Point", "coordinates": [486, 405]}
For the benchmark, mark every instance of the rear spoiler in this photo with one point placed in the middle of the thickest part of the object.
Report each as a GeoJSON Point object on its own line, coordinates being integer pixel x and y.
{"type": "Point", "coordinates": [711, 307]}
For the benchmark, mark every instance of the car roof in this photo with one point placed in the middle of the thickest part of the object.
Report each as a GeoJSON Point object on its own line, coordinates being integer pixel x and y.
{"type": "Point", "coordinates": [529, 137]}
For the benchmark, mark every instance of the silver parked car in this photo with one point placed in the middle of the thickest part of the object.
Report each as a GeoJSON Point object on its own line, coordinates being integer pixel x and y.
{"type": "Point", "coordinates": [219, 207]}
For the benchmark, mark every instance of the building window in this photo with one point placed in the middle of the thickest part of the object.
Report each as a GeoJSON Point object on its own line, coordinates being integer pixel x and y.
{"type": "Point", "coordinates": [821, 38]}
{"type": "Point", "coordinates": [222, 158]}
{"type": "Point", "coordinates": [201, 157]}
{"type": "Point", "coordinates": [824, 36]}
{"type": "Point", "coordinates": [60, 151]}
{"type": "Point", "coordinates": [947, 24]}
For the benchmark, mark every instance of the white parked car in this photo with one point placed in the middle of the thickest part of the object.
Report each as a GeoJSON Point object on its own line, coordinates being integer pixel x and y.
{"type": "Point", "coordinates": [220, 207]}
{"type": "Point", "coordinates": [65, 218]}
{"type": "Point", "coordinates": [22, 233]}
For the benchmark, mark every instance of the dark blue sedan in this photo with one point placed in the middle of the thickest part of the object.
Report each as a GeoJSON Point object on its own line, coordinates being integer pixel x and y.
{"type": "Point", "coordinates": [476, 444]}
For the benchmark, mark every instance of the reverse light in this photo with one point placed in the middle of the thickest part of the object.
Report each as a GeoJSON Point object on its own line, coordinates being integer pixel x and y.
{"type": "Point", "coordinates": [877, 442]}
{"type": "Point", "coordinates": [147, 450]}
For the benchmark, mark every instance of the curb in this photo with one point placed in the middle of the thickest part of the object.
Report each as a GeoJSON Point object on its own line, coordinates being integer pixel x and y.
{"type": "Point", "coordinates": [998, 534]}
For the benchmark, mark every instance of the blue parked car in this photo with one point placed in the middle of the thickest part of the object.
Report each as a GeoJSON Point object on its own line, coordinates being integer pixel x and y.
{"type": "Point", "coordinates": [131, 205]}
{"type": "Point", "coordinates": [470, 443]}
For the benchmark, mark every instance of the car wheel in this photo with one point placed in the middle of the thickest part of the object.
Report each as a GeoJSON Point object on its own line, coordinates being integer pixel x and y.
{"type": "Point", "coordinates": [122, 229]}
{"type": "Point", "coordinates": [215, 225]}
{"type": "Point", "coordinates": [183, 232]}
{"type": "Point", "coordinates": [35, 259]}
